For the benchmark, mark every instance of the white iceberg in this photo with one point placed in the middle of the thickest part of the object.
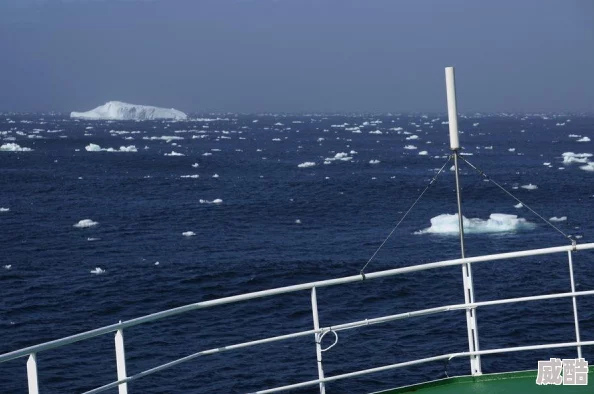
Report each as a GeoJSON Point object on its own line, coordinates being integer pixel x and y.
{"type": "Point", "coordinates": [117, 110]}
{"type": "Point", "coordinates": [12, 147]}
{"type": "Point", "coordinates": [85, 223]}
{"type": "Point", "coordinates": [497, 223]}
{"type": "Point", "coordinates": [215, 201]}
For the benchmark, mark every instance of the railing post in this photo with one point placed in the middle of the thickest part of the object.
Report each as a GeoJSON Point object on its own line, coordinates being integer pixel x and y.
{"type": "Point", "coordinates": [575, 312]}
{"type": "Point", "coordinates": [32, 374]}
{"type": "Point", "coordinates": [316, 322]}
{"type": "Point", "coordinates": [121, 360]}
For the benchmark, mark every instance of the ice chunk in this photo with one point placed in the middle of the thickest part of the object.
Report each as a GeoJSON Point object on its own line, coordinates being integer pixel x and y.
{"type": "Point", "coordinates": [423, 153]}
{"type": "Point", "coordinates": [98, 271]}
{"type": "Point", "coordinates": [188, 234]}
{"type": "Point", "coordinates": [556, 219]}
{"type": "Point", "coordinates": [85, 223]}
{"type": "Point", "coordinates": [97, 148]}
{"type": "Point", "coordinates": [215, 201]}
{"type": "Point", "coordinates": [374, 161]}
{"type": "Point", "coordinates": [117, 110]}
{"type": "Point", "coordinates": [4, 209]}
{"type": "Point", "coordinates": [497, 223]}
{"type": "Point", "coordinates": [174, 153]}
{"type": "Point", "coordinates": [307, 164]}
{"type": "Point", "coordinates": [584, 139]}
{"type": "Point", "coordinates": [588, 167]}
{"type": "Point", "coordinates": [529, 186]}
{"type": "Point", "coordinates": [518, 205]}
{"type": "Point", "coordinates": [410, 147]}
{"type": "Point", "coordinates": [570, 157]}
{"type": "Point", "coordinates": [12, 147]}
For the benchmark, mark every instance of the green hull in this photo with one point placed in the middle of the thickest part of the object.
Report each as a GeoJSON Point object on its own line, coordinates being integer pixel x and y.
{"type": "Point", "coordinates": [502, 383]}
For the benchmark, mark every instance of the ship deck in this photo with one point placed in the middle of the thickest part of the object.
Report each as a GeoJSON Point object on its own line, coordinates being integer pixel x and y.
{"type": "Point", "coordinates": [502, 383]}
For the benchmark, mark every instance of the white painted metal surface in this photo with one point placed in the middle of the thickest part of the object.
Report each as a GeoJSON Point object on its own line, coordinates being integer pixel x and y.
{"type": "Point", "coordinates": [32, 380]}
{"type": "Point", "coordinates": [452, 110]}
{"type": "Point", "coordinates": [121, 360]}
{"type": "Point", "coordinates": [467, 279]}
{"type": "Point", "coordinates": [318, 338]}
{"type": "Point", "coordinates": [575, 312]}
{"type": "Point", "coordinates": [33, 350]}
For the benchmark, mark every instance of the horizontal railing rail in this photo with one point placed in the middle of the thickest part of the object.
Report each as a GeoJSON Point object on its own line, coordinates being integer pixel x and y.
{"type": "Point", "coordinates": [32, 351]}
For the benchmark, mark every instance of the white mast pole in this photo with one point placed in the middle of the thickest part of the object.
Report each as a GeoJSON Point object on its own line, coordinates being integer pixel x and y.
{"type": "Point", "coordinates": [471, 325]}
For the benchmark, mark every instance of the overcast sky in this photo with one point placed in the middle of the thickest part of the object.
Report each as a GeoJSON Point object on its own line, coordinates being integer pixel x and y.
{"type": "Point", "coordinates": [295, 56]}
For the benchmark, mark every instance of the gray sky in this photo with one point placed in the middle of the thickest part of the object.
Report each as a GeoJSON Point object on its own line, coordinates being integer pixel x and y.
{"type": "Point", "coordinates": [294, 56]}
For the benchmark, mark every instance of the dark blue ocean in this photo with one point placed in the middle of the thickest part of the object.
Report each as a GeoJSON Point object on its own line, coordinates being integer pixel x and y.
{"type": "Point", "coordinates": [279, 223]}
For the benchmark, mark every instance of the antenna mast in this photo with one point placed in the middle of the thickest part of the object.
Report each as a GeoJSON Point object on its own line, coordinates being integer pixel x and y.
{"type": "Point", "coordinates": [473, 342]}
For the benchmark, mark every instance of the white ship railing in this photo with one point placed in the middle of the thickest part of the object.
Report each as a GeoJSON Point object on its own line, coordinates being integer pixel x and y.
{"type": "Point", "coordinates": [318, 332]}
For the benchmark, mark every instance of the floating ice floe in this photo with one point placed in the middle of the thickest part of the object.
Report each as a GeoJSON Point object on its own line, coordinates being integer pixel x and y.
{"type": "Point", "coordinates": [207, 154]}
{"type": "Point", "coordinates": [529, 186]}
{"type": "Point", "coordinates": [188, 234]}
{"type": "Point", "coordinates": [12, 147]}
{"type": "Point", "coordinates": [512, 149]}
{"type": "Point", "coordinates": [412, 137]}
{"type": "Point", "coordinates": [4, 209]}
{"type": "Point", "coordinates": [97, 148]}
{"type": "Point", "coordinates": [215, 201]}
{"type": "Point", "coordinates": [98, 271]}
{"type": "Point", "coordinates": [85, 223]}
{"type": "Point", "coordinates": [374, 161]}
{"type": "Point", "coordinates": [570, 157]}
{"type": "Point", "coordinates": [423, 153]}
{"type": "Point", "coordinates": [556, 219]}
{"type": "Point", "coordinates": [410, 147]}
{"type": "Point", "coordinates": [215, 176]}
{"type": "Point", "coordinates": [307, 164]}
{"type": "Point", "coordinates": [584, 139]}
{"type": "Point", "coordinates": [174, 153]}
{"type": "Point", "coordinates": [497, 223]}
{"type": "Point", "coordinates": [518, 205]}
{"type": "Point", "coordinates": [588, 167]}
{"type": "Point", "coordinates": [376, 132]}
{"type": "Point", "coordinates": [117, 110]}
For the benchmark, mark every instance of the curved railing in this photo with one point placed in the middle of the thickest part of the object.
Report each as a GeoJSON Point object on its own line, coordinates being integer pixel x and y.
{"type": "Point", "coordinates": [317, 331]}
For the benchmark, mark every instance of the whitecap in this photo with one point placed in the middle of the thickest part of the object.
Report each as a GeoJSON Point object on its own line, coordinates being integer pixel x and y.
{"type": "Point", "coordinates": [584, 139]}
{"type": "Point", "coordinates": [410, 147]}
{"type": "Point", "coordinates": [4, 209]}
{"type": "Point", "coordinates": [174, 153]}
{"type": "Point", "coordinates": [374, 161]}
{"type": "Point", "coordinates": [423, 153]}
{"type": "Point", "coordinates": [529, 186]}
{"type": "Point", "coordinates": [188, 234]}
{"type": "Point", "coordinates": [193, 176]}
{"type": "Point", "coordinates": [307, 164]}
{"type": "Point", "coordinates": [98, 271]}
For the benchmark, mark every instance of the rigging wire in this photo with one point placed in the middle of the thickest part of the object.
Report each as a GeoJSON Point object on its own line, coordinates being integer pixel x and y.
{"type": "Point", "coordinates": [482, 173]}
{"type": "Point", "coordinates": [362, 272]}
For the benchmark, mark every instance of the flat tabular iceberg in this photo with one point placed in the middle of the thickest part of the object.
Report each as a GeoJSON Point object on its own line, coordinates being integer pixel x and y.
{"type": "Point", "coordinates": [116, 110]}
{"type": "Point", "coordinates": [497, 223]}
